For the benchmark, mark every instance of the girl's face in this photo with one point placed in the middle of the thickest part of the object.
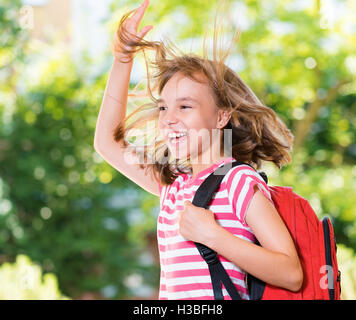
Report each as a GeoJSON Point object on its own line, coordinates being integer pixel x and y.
{"type": "Point", "coordinates": [188, 116]}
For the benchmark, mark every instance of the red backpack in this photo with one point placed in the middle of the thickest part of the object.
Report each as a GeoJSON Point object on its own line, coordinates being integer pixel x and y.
{"type": "Point", "coordinates": [314, 241]}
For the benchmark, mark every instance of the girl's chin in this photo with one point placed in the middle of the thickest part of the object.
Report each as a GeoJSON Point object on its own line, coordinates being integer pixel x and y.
{"type": "Point", "coordinates": [179, 155]}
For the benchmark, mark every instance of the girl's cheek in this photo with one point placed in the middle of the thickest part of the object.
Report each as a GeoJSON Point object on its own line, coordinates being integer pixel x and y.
{"type": "Point", "coordinates": [161, 127]}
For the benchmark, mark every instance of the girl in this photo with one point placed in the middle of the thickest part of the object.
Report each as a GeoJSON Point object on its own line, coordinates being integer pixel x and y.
{"type": "Point", "coordinates": [198, 97]}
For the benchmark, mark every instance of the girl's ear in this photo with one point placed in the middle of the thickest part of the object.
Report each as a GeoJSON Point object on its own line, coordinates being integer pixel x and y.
{"type": "Point", "coordinates": [223, 118]}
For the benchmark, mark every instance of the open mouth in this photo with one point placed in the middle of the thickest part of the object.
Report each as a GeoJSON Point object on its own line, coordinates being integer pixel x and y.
{"type": "Point", "coordinates": [176, 138]}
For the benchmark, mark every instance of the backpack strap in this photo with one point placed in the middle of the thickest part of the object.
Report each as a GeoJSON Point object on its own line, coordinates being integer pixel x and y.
{"type": "Point", "coordinates": [202, 199]}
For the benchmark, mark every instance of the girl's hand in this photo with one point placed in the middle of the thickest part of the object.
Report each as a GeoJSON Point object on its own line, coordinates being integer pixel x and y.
{"type": "Point", "coordinates": [127, 32]}
{"type": "Point", "coordinates": [196, 224]}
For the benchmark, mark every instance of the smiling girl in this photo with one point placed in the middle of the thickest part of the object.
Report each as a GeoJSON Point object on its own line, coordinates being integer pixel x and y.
{"type": "Point", "coordinates": [198, 97]}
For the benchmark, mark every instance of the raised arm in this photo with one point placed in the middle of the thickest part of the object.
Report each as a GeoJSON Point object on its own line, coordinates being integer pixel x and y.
{"type": "Point", "coordinates": [113, 111]}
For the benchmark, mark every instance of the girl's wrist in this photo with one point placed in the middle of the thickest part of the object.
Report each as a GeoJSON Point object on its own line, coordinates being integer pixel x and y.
{"type": "Point", "coordinates": [122, 58]}
{"type": "Point", "coordinates": [213, 235]}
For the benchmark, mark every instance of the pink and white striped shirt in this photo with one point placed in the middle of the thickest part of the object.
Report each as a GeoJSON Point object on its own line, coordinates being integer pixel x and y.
{"type": "Point", "coordinates": [184, 273]}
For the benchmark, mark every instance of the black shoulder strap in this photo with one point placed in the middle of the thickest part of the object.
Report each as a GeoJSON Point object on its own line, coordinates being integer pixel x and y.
{"type": "Point", "coordinates": [202, 199]}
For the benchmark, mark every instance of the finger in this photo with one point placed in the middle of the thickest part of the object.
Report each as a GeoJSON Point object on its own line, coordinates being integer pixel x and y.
{"type": "Point", "coordinates": [137, 16]}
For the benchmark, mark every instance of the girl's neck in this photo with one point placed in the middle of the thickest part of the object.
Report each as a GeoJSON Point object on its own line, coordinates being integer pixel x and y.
{"type": "Point", "coordinates": [201, 164]}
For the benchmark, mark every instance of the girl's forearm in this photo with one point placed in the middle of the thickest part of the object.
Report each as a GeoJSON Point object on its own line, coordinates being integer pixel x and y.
{"type": "Point", "coordinates": [275, 268]}
{"type": "Point", "coordinates": [113, 106]}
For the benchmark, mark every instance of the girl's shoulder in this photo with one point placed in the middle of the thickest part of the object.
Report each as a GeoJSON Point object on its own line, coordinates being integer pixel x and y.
{"type": "Point", "coordinates": [242, 179]}
{"type": "Point", "coordinates": [241, 182]}
{"type": "Point", "coordinates": [241, 171]}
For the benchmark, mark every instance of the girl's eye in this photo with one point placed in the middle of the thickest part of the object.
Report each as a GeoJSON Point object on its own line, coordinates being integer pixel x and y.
{"type": "Point", "coordinates": [161, 108]}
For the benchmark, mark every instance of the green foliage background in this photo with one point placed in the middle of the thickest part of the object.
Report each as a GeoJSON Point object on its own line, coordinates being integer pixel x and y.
{"type": "Point", "coordinates": [79, 219]}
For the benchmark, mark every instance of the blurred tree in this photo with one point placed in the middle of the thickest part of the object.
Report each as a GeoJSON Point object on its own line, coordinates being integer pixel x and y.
{"type": "Point", "coordinates": [13, 42]}
{"type": "Point", "coordinates": [71, 212]}
{"type": "Point", "coordinates": [347, 261]}
{"type": "Point", "coordinates": [60, 204]}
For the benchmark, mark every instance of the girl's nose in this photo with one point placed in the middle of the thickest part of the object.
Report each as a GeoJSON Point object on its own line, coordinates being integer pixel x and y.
{"type": "Point", "coordinates": [170, 118]}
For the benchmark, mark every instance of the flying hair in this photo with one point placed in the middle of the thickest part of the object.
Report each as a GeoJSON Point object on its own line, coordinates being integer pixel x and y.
{"type": "Point", "coordinates": [257, 133]}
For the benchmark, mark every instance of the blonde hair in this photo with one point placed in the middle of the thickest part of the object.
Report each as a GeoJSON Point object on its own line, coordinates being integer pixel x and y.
{"type": "Point", "coordinates": [257, 132]}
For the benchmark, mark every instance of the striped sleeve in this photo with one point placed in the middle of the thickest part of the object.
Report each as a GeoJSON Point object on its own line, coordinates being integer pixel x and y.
{"type": "Point", "coordinates": [162, 287]}
{"type": "Point", "coordinates": [240, 184]}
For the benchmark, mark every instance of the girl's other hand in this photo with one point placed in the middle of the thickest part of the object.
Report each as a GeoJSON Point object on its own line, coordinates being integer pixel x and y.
{"type": "Point", "coordinates": [196, 224]}
{"type": "Point", "coordinates": [127, 32]}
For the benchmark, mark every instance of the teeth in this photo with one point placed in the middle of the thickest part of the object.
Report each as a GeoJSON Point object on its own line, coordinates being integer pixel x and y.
{"type": "Point", "coordinates": [176, 135]}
